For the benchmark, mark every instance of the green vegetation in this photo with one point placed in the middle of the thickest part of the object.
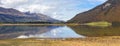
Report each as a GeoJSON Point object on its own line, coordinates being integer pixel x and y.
{"type": "Point", "coordinates": [0, 23]}
{"type": "Point", "coordinates": [101, 24]}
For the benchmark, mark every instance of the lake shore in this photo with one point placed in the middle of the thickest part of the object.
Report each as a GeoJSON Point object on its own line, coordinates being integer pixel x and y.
{"type": "Point", "coordinates": [37, 24]}
{"type": "Point", "coordinates": [100, 24]}
{"type": "Point", "coordinates": [90, 41]}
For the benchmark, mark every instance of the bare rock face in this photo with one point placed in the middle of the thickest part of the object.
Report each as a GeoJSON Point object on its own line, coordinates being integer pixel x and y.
{"type": "Point", "coordinates": [109, 11]}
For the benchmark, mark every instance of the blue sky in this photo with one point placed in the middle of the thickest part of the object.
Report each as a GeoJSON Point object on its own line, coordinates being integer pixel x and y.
{"type": "Point", "coordinates": [58, 9]}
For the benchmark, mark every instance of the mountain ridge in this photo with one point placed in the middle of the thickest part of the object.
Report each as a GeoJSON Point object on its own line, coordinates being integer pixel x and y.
{"type": "Point", "coordinates": [12, 15]}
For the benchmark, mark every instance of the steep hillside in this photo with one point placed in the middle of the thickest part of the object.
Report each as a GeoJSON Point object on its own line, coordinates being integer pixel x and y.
{"type": "Point", "coordinates": [11, 11]}
{"type": "Point", "coordinates": [109, 11]}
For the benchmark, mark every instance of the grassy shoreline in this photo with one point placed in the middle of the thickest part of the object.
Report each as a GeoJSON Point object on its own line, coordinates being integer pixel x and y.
{"type": "Point", "coordinates": [90, 41]}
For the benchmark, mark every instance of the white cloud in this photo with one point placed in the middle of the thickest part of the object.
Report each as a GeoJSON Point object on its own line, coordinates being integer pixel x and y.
{"type": "Point", "coordinates": [34, 8]}
{"type": "Point", "coordinates": [12, 3]}
{"type": "Point", "coordinates": [59, 9]}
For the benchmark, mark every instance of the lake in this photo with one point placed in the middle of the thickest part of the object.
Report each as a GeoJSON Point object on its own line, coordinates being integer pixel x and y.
{"type": "Point", "coordinates": [56, 32]}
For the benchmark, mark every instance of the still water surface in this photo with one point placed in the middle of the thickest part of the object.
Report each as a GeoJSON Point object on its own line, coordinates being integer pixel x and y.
{"type": "Point", "coordinates": [11, 32]}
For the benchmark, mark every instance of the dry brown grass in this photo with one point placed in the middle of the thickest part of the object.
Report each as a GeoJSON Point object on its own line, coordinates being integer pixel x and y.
{"type": "Point", "coordinates": [96, 41]}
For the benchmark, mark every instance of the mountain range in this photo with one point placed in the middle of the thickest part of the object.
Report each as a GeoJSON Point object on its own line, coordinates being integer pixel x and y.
{"type": "Point", "coordinates": [12, 15]}
{"type": "Point", "coordinates": [108, 11]}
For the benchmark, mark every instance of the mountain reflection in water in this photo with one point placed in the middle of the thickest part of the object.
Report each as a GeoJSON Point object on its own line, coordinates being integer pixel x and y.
{"type": "Point", "coordinates": [10, 32]}
{"type": "Point", "coordinates": [97, 31]}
